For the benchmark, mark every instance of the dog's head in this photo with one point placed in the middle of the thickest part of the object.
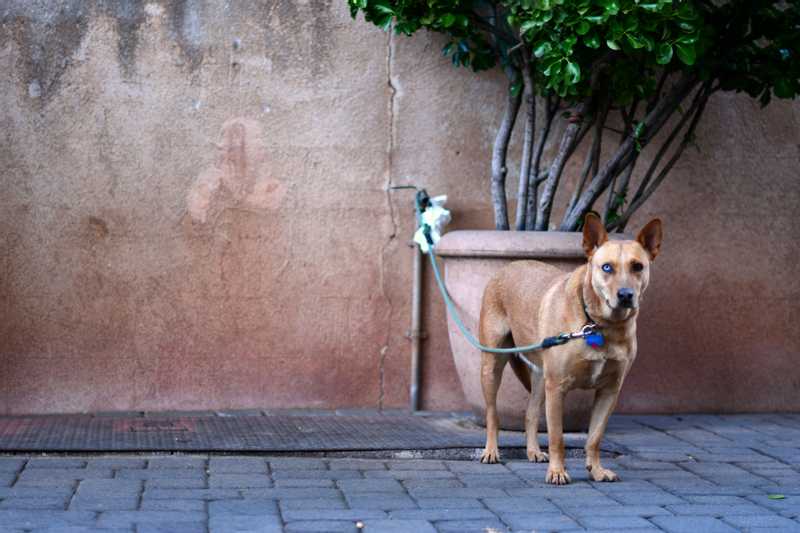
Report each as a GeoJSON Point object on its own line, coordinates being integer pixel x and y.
{"type": "Point", "coordinates": [620, 270]}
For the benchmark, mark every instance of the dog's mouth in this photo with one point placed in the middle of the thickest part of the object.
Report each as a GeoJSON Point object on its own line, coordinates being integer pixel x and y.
{"type": "Point", "coordinates": [621, 306]}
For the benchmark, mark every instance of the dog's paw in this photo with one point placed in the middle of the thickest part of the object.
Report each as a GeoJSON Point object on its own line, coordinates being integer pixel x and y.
{"type": "Point", "coordinates": [599, 473]}
{"type": "Point", "coordinates": [537, 456]}
{"type": "Point", "coordinates": [490, 456]}
{"type": "Point", "coordinates": [557, 476]}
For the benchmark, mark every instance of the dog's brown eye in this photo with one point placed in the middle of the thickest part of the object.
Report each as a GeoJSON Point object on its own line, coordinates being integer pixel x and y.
{"type": "Point", "coordinates": [637, 266]}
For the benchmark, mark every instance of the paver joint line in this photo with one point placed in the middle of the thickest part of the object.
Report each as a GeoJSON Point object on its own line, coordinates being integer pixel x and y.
{"type": "Point", "coordinates": [688, 473]}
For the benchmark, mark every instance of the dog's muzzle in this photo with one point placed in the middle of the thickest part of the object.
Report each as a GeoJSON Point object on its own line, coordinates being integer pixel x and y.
{"type": "Point", "coordinates": [625, 298]}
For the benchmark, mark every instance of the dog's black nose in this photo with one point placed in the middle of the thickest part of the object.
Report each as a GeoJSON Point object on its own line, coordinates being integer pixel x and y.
{"type": "Point", "coordinates": [625, 297]}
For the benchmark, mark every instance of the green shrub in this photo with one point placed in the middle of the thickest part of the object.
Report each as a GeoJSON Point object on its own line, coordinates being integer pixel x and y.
{"type": "Point", "coordinates": [652, 63]}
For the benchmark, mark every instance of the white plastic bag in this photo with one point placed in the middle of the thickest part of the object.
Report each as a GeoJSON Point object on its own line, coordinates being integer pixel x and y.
{"type": "Point", "coordinates": [436, 217]}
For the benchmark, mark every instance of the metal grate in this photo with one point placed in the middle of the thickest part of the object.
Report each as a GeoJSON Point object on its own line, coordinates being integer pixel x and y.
{"type": "Point", "coordinates": [271, 433]}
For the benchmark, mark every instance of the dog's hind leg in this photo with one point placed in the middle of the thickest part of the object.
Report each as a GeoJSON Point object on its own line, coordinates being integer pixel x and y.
{"type": "Point", "coordinates": [494, 333]}
{"type": "Point", "coordinates": [535, 404]}
{"type": "Point", "coordinates": [492, 366]}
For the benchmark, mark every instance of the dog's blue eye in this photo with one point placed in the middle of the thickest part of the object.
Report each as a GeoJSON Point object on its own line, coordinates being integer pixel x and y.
{"type": "Point", "coordinates": [608, 268]}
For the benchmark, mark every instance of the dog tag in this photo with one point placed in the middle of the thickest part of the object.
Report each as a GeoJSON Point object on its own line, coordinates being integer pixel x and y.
{"type": "Point", "coordinates": [595, 340]}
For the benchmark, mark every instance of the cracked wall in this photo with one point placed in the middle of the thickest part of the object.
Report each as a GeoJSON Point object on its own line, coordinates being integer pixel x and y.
{"type": "Point", "coordinates": [195, 215]}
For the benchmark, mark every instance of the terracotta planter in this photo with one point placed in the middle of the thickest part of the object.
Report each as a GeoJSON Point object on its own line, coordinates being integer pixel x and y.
{"type": "Point", "coordinates": [470, 259]}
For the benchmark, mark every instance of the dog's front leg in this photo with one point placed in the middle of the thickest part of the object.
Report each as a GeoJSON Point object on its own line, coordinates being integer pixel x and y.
{"type": "Point", "coordinates": [604, 401]}
{"type": "Point", "coordinates": [554, 406]}
{"type": "Point", "coordinates": [535, 402]}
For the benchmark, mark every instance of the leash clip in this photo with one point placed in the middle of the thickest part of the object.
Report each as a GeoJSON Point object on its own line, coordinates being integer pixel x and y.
{"type": "Point", "coordinates": [587, 330]}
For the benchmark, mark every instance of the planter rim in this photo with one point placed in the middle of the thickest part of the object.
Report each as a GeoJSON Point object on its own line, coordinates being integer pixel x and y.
{"type": "Point", "coordinates": [514, 244]}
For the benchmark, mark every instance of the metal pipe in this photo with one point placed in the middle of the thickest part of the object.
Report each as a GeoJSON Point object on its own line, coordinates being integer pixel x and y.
{"type": "Point", "coordinates": [415, 334]}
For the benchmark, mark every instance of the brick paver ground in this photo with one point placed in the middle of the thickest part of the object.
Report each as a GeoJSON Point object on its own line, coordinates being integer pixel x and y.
{"type": "Point", "coordinates": [698, 473]}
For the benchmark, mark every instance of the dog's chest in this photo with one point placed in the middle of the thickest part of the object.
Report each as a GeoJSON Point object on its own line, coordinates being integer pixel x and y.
{"type": "Point", "coordinates": [596, 368]}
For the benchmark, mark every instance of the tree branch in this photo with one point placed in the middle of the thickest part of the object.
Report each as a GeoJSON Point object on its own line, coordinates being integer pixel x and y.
{"type": "Point", "coordinates": [652, 123]}
{"type": "Point", "coordinates": [667, 143]}
{"type": "Point", "coordinates": [592, 159]}
{"type": "Point", "coordinates": [551, 107]}
{"type": "Point", "coordinates": [687, 138]}
{"type": "Point", "coordinates": [499, 153]}
{"type": "Point", "coordinates": [659, 87]}
{"type": "Point", "coordinates": [557, 166]}
{"type": "Point", "coordinates": [617, 190]}
{"type": "Point", "coordinates": [527, 143]}
{"type": "Point", "coordinates": [494, 30]}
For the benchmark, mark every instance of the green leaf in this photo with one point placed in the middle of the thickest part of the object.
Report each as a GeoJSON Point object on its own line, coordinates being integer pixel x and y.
{"type": "Point", "coordinates": [574, 72]}
{"type": "Point", "coordinates": [611, 6]}
{"type": "Point", "coordinates": [542, 48]}
{"type": "Point", "coordinates": [776, 497]}
{"type": "Point", "coordinates": [528, 25]}
{"type": "Point", "coordinates": [592, 41]}
{"type": "Point", "coordinates": [631, 24]}
{"type": "Point", "coordinates": [686, 11]}
{"type": "Point", "coordinates": [552, 67]}
{"type": "Point", "coordinates": [664, 53]}
{"type": "Point", "coordinates": [635, 41]}
{"type": "Point", "coordinates": [384, 22]}
{"type": "Point", "coordinates": [447, 20]}
{"type": "Point", "coordinates": [612, 44]}
{"type": "Point", "coordinates": [582, 28]}
{"type": "Point", "coordinates": [686, 53]}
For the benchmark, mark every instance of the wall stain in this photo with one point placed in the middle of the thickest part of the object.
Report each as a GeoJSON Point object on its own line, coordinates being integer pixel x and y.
{"type": "Point", "coordinates": [97, 227]}
{"type": "Point", "coordinates": [239, 176]}
{"type": "Point", "coordinates": [47, 35]}
{"type": "Point", "coordinates": [292, 44]}
{"type": "Point", "coordinates": [129, 16]}
{"type": "Point", "coordinates": [187, 29]}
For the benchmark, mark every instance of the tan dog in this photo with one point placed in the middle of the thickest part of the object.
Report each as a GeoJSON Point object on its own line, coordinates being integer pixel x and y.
{"type": "Point", "coordinates": [606, 291]}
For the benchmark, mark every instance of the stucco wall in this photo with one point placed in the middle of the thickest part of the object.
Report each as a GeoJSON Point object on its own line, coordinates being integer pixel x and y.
{"type": "Point", "coordinates": [194, 215]}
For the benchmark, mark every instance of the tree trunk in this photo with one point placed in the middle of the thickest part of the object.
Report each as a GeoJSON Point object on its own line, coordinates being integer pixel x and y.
{"type": "Point", "coordinates": [533, 180]}
{"type": "Point", "coordinates": [499, 153]}
{"type": "Point", "coordinates": [527, 147]}
{"type": "Point", "coordinates": [556, 168]}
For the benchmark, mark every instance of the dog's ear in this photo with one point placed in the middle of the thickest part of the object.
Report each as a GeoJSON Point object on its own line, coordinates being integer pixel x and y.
{"type": "Point", "coordinates": [650, 237]}
{"type": "Point", "coordinates": [594, 233]}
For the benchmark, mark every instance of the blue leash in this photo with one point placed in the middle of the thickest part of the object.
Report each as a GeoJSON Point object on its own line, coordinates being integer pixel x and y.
{"type": "Point", "coordinates": [590, 331]}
